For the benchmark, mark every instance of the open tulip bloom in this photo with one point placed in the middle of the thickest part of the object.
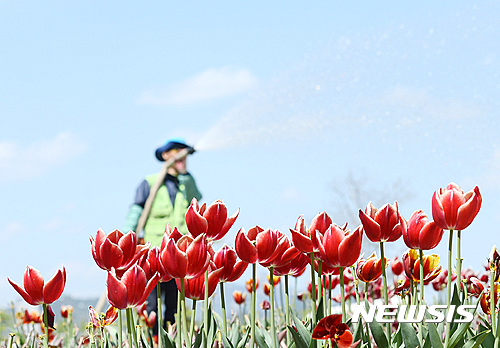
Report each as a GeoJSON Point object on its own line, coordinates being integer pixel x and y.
{"type": "Point", "coordinates": [35, 291]}
{"type": "Point", "coordinates": [132, 289]}
{"type": "Point", "coordinates": [116, 250]}
{"type": "Point", "coordinates": [420, 233]}
{"type": "Point", "coordinates": [211, 221]}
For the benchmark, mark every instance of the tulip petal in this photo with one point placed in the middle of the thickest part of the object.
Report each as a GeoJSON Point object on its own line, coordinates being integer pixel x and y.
{"type": "Point", "coordinates": [116, 291]}
{"type": "Point", "coordinates": [111, 254]}
{"type": "Point", "coordinates": [349, 248]}
{"type": "Point", "coordinates": [238, 270]}
{"type": "Point", "coordinates": [53, 289]}
{"type": "Point", "coordinates": [245, 249]}
{"type": "Point", "coordinates": [195, 222]}
{"type": "Point", "coordinates": [468, 211]}
{"type": "Point", "coordinates": [148, 289]}
{"type": "Point", "coordinates": [174, 261]}
{"type": "Point", "coordinates": [197, 255]}
{"type": "Point", "coordinates": [302, 242]}
{"type": "Point", "coordinates": [23, 293]}
{"type": "Point", "coordinates": [135, 281]}
{"type": "Point", "coordinates": [370, 226]}
{"type": "Point", "coordinates": [430, 236]}
{"type": "Point", "coordinates": [228, 224]}
{"type": "Point", "coordinates": [216, 215]}
{"type": "Point", "coordinates": [128, 244]}
{"type": "Point", "coordinates": [33, 284]}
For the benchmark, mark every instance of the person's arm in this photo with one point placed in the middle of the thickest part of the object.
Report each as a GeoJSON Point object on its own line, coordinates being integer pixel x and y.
{"type": "Point", "coordinates": [136, 208]}
{"type": "Point", "coordinates": [191, 189]}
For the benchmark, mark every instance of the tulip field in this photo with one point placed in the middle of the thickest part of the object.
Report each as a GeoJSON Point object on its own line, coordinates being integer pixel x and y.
{"type": "Point", "coordinates": [351, 301]}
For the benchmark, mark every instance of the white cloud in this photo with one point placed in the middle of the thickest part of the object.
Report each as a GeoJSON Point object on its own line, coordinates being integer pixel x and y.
{"type": "Point", "coordinates": [25, 161]}
{"type": "Point", "coordinates": [209, 85]}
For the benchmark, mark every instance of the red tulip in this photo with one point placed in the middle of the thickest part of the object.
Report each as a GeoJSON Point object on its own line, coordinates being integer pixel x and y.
{"type": "Point", "coordinates": [268, 247]}
{"type": "Point", "coordinates": [186, 258]}
{"type": "Point", "coordinates": [331, 327]}
{"type": "Point", "coordinates": [35, 292]}
{"type": "Point", "coordinates": [475, 286]}
{"type": "Point", "coordinates": [194, 288]}
{"type": "Point", "coordinates": [239, 298]}
{"type": "Point", "coordinates": [116, 250]}
{"type": "Point", "coordinates": [284, 251]}
{"type": "Point", "coordinates": [294, 268]}
{"type": "Point", "coordinates": [305, 240]}
{"type": "Point", "coordinates": [265, 305]}
{"type": "Point", "coordinates": [420, 233]}
{"type": "Point", "coordinates": [232, 269]}
{"type": "Point", "coordinates": [211, 221]}
{"type": "Point", "coordinates": [452, 209]}
{"type": "Point", "coordinates": [339, 248]}
{"type": "Point", "coordinates": [411, 262]}
{"type": "Point", "coordinates": [397, 266]}
{"type": "Point", "coordinates": [245, 244]}
{"type": "Point", "coordinates": [100, 321]}
{"type": "Point", "coordinates": [267, 289]}
{"type": "Point", "coordinates": [132, 289]}
{"type": "Point", "coordinates": [370, 269]}
{"type": "Point", "coordinates": [29, 318]}
{"type": "Point", "coordinates": [382, 225]}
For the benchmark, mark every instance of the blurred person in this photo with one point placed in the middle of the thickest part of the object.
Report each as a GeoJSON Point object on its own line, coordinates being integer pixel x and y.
{"type": "Point", "coordinates": [169, 207]}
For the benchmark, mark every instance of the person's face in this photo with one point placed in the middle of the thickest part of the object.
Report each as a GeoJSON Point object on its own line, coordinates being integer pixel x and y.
{"type": "Point", "coordinates": [179, 165]}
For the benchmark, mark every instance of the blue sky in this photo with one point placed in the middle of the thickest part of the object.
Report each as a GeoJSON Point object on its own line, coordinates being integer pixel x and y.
{"type": "Point", "coordinates": [291, 106]}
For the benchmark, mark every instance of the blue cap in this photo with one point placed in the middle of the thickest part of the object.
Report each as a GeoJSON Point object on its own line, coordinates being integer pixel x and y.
{"type": "Point", "coordinates": [171, 144]}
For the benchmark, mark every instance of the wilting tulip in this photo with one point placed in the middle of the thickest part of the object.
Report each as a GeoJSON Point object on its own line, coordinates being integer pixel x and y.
{"type": "Point", "coordinates": [485, 300]}
{"type": "Point", "coordinates": [411, 262]}
{"type": "Point", "coordinates": [452, 209]}
{"type": "Point", "coordinates": [382, 225]}
{"type": "Point", "coordinates": [195, 287]}
{"type": "Point", "coordinates": [494, 263]}
{"type": "Point", "coordinates": [239, 298]}
{"type": "Point", "coordinates": [305, 239]}
{"type": "Point", "coordinates": [420, 233]}
{"type": "Point", "coordinates": [30, 317]}
{"type": "Point", "coordinates": [475, 286]}
{"type": "Point", "coordinates": [116, 250]}
{"type": "Point", "coordinates": [339, 247]}
{"type": "Point", "coordinates": [331, 327]}
{"type": "Point", "coordinates": [370, 269]}
{"type": "Point", "coordinates": [132, 289]}
{"type": "Point", "coordinates": [187, 258]}
{"type": "Point", "coordinates": [232, 268]}
{"type": "Point", "coordinates": [397, 266]}
{"type": "Point", "coordinates": [104, 319]}
{"type": "Point", "coordinates": [211, 221]}
{"type": "Point", "coordinates": [35, 291]}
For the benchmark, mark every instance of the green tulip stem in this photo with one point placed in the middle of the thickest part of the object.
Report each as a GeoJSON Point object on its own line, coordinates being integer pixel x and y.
{"type": "Point", "coordinates": [329, 307]}
{"type": "Point", "coordinates": [448, 326]}
{"type": "Point", "coordinates": [342, 294]}
{"type": "Point", "coordinates": [421, 252]}
{"type": "Point", "coordinates": [386, 296]}
{"type": "Point", "coordinates": [223, 304]}
{"type": "Point", "coordinates": [160, 315]}
{"type": "Point", "coordinates": [271, 297]}
{"type": "Point", "coordinates": [205, 326]}
{"type": "Point", "coordinates": [183, 326]}
{"type": "Point", "coordinates": [178, 319]}
{"type": "Point", "coordinates": [313, 292]}
{"type": "Point", "coordinates": [254, 285]}
{"type": "Point", "coordinates": [320, 283]}
{"type": "Point", "coordinates": [459, 262]}
{"type": "Point", "coordinates": [120, 330]}
{"type": "Point", "coordinates": [129, 327]}
{"type": "Point", "coordinates": [191, 327]}
{"type": "Point", "coordinates": [287, 312]}
{"type": "Point", "coordinates": [46, 323]}
{"type": "Point", "coordinates": [492, 302]}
